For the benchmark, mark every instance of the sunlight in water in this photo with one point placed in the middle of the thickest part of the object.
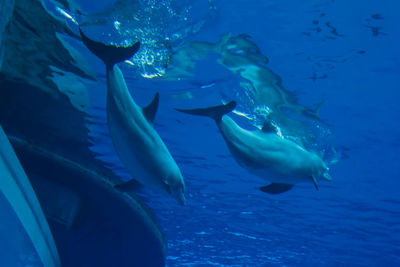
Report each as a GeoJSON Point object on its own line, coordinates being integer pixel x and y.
{"type": "Point", "coordinates": [159, 25]}
{"type": "Point", "coordinates": [66, 15]}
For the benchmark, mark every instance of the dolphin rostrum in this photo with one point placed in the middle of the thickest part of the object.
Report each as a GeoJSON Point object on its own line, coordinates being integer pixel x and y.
{"type": "Point", "coordinates": [265, 153]}
{"type": "Point", "coordinates": [137, 144]}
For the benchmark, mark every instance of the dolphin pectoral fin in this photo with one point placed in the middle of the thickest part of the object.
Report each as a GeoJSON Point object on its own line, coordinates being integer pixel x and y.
{"type": "Point", "coordinates": [276, 188]}
{"type": "Point", "coordinates": [315, 182]}
{"type": "Point", "coordinates": [150, 111]}
{"type": "Point", "coordinates": [129, 186]}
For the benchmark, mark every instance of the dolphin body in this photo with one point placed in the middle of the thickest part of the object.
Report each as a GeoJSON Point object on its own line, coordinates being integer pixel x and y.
{"type": "Point", "coordinates": [265, 153]}
{"type": "Point", "coordinates": [137, 144]}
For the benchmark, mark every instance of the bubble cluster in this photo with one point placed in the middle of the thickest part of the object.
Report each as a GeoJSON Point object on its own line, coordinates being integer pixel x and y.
{"type": "Point", "coordinates": [158, 25]}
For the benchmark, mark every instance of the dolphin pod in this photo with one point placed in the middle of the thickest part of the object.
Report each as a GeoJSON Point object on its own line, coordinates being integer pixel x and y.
{"type": "Point", "coordinates": [262, 152]}
{"type": "Point", "coordinates": [265, 153]}
{"type": "Point", "coordinates": [135, 140]}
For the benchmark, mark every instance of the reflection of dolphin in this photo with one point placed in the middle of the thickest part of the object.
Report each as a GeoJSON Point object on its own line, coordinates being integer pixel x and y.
{"type": "Point", "coordinates": [265, 153]}
{"type": "Point", "coordinates": [138, 145]}
{"type": "Point", "coordinates": [244, 58]}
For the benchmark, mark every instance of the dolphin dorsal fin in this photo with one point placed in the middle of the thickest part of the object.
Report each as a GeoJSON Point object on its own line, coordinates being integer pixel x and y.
{"type": "Point", "coordinates": [268, 127]}
{"type": "Point", "coordinates": [150, 111]}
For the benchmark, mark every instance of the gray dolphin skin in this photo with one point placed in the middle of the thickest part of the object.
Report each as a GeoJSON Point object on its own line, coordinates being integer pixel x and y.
{"type": "Point", "coordinates": [135, 140]}
{"type": "Point", "coordinates": [265, 153]}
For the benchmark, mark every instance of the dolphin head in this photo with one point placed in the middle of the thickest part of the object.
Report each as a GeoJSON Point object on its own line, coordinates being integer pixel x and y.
{"type": "Point", "coordinates": [319, 169]}
{"type": "Point", "coordinates": [326, 175]}
{"type": "Point", "coordinates": [175, 186]}
{"type": "Point", "coordinates": [323, 171]}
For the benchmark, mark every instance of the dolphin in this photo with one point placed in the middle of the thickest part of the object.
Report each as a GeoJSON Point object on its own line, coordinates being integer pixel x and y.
{"type": "Point", "coordinates": [265, 153]}
{"type": "Point", "coordinates": [135, 140]}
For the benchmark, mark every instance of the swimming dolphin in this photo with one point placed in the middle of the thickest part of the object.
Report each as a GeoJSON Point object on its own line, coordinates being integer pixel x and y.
{"type": "Point", "coordinates": [138, 145]}
{"type": "Point", "coordinates": [265, 153]}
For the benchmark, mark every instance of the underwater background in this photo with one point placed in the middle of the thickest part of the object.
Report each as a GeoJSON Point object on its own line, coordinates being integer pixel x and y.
{"type": "Point", "coordinates": [325, 71]}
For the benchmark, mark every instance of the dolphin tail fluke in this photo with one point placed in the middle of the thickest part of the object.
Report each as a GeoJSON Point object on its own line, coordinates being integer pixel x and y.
{"type": "Point", "coordinates": [109, 54]}
{"type": "Point", "coordinates": [276, 188]}
{"type": "Point", "coordinates": [215, 112]}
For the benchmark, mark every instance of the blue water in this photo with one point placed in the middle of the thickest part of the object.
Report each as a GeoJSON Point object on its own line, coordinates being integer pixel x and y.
{"type": "Point", "coordinates": [339, 53]}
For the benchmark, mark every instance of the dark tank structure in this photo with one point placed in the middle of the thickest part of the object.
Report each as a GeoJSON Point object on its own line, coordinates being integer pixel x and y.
{"type": "Point", "coordinates": [55, 194]}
